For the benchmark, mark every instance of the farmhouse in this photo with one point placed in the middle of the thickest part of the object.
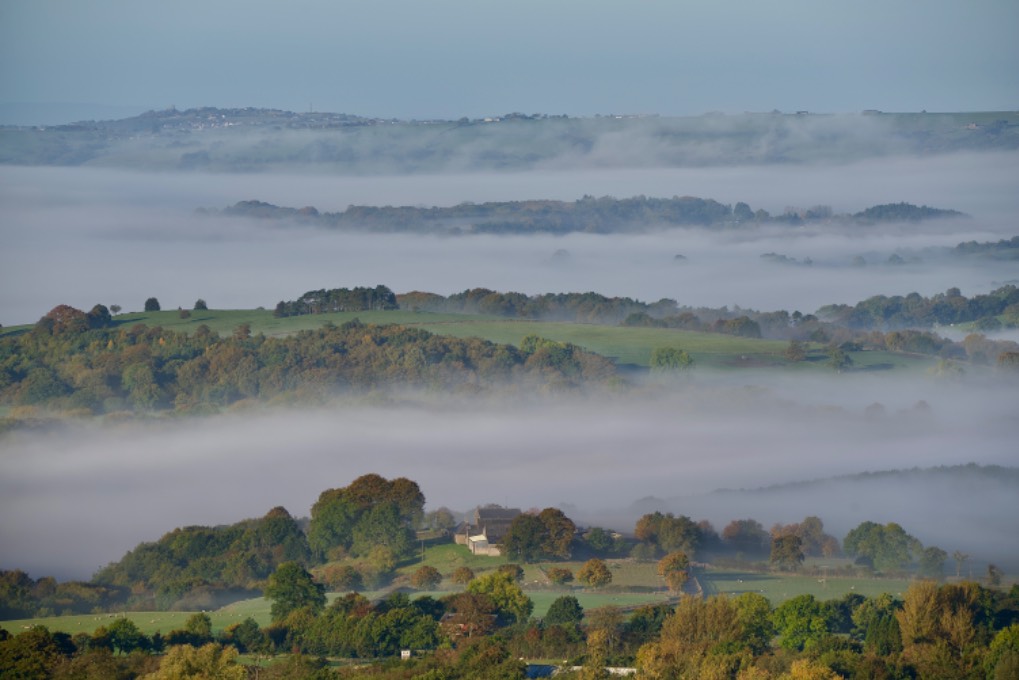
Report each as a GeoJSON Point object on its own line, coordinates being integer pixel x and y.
{"type": "Point", "coordinates": [485, 533]}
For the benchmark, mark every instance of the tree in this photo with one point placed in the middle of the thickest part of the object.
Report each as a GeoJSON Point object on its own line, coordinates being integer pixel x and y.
{"type": "Point", "coordinates": [787, 551]}
{"type": "Point", "coordinates": [886, 547]}
{"type": "Point", "coordinates": [668, 359]}
{"type": "Point", "coordinates": [525, 538]}
{"type": "Point", "coordinates": [800, 622]}
{"type": "Point", "coordinates": [993, 575]}
{"type": "Point", "coordinates": [115, 309]}
{"type": "Point", "coordinates": [564, 610]}
{"type": "Point", "coordinates": [462, 575]}
{"type": "Point", "coordinates": [745, 536]}
{"type": "Point", "coordinates": [211, 661]}
{"type": "Point", "coordinates": [425, 578]}
{"type": "Point", "coordinates": [932, 562]}
{"type": "Point", "coordinates": [796, 351]}
{"type": "Point", "coordinates": [290, 588]}
{"type": "Point", "coordinates": [152, 305]}
{"type": "Point", "coordinates": [674, 569]}
{"type": "Point", "coordinates": [200, 305]}
{"type": "Point", "coordinates": [594, 573]}
{"type": "Point", "coordinates": [510, 601]}
{"type": "Point", "coordinates": [199, 626]}
{"type": "Point", "coordinates": [669, 533]}
{"type": "Point", "coordinates": [471, 614]}
{"type": "Point", "coordinates": [559, 575]}
{"type": "Point", "coordinates": [125, 637]}
{"type": "Point", "coordinates": [558, 534]}
{"type": "Point", "coordinates": [64, 319]}
{"type": "Point", "coordinates": [838, 360]}
{"type": "Point", "coordinates": [99, 317]}
{"type": "Point", "coordinates": [960, 559]}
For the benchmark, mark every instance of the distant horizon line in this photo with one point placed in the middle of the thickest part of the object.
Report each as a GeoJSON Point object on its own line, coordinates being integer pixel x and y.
{"type": "Point", "coordinates": [10, 110]}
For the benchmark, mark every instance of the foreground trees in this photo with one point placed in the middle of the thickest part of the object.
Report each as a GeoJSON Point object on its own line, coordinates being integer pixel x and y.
{"type": "Point", "coordinates": [947, 631]}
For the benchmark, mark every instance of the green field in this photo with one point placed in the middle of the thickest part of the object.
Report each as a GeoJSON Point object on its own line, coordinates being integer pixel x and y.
{"type": "Point", "coordinates": [625, 345]}
{"type": "Point", "coordinates": [633, 584]}
{"type": "Point", "coordinates": [779, 588]}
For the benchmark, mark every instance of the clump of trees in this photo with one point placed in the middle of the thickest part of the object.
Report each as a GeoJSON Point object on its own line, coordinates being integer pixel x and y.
{"type": "Point", "coordinates": [371, 518]}
{"type": "Point", "coordinates": [545, 535]}
{"type": "Point", "coordinates": [357, 299]}
{"type": "Point", "coordinates": [74, 360]}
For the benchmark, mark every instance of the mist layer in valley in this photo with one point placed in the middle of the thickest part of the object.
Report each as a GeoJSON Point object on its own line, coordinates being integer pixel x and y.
{"type": "Point", "coordinates": [85, 236]}
{"type": "Point", "coordinates": [77, 498]}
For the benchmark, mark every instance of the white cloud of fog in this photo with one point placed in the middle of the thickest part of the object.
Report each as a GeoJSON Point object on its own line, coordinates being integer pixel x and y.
{"type": "Point", "coordinates": [74, 500]}
{"type": "Point", "coordinates": [82, 236]}
{"type": "Point", "coordinates": [71, 502]}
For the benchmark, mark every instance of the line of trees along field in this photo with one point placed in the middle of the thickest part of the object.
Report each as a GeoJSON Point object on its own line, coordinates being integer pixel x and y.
{"type": "Point", "coordinates": [68, 361]}
{"type": "Point", "coordinates": [484, 627]}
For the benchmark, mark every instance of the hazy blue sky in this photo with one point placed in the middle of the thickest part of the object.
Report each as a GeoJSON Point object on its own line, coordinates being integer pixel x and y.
{"type": "Point", "coordinates": [449, 58]}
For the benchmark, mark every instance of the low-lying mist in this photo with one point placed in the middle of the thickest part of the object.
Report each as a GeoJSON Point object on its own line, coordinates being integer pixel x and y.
{"type": "Point", "coordinates": [77, 498]}
{"type": "Point", "coordinates": [85, 236]}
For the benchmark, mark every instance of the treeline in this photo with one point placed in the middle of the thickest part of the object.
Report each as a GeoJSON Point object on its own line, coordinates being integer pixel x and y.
{"type": "Point", "coordinates": [360, 534]}
{"type": "Point", "coordinates": [1005, 249]}
{"type": "Point", "coordinates": [64, 363]}
{"type": "Point", "coordinates": [904, 212]}
{"type": "Point", "coordinates": [882, 312]}
{"type": "Point", "coordinates": [880, 322]}
{"type": "Point", "coordinates": [485, 630]}
{"type": "Point", "coordinates": [338, 300]}
{"type": "Point", "coordinates": [601, 215]}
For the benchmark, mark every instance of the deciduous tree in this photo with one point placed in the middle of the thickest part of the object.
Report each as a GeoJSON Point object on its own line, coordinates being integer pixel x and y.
{"type": "Point", "coordinates": [290, 587]}
{"type": "Point", "coordinates": [594, 573]}
{"type": "Point", "coordinates": [674, 568]}
{"type": "Point", "coordinates": [425, 578]}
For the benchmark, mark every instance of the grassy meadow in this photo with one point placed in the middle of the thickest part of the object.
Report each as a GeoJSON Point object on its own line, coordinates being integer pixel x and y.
{"type": "Point", "coordinates": [627, 346]}
{"type": "Point", "coordinates": [633, 584]}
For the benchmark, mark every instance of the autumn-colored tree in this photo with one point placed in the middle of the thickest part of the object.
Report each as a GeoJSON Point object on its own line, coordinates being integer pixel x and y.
{"type": "Point", "coordinates": [462, 576]}
{"type": "Point", "coordinates": [559, 531]}
{"type": "Point", "coordinates": [674, 568]}
{"type": "Point", "coordinates": [64, 319]}
{"type": "Point", "coordinates": [470, 615]}
{"type": "Point", "coordinates": [425, 577]}
{"type": "Point", "coordinates": [185, 662]}
{"type": "Point", "coordinates": [787, 551]}
{"type": "Point", "coordinates": [594, 573]}
{"type": "Point", "coordinates": [745, 536]}
{"type": "Point", "coordinates": [559, 575]}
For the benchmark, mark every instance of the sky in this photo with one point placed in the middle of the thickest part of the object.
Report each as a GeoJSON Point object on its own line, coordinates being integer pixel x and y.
{"type": "Point", "coordinates": [62, 61]}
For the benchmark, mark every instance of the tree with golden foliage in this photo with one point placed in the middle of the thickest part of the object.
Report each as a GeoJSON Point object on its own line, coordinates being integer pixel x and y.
{"type": "Point", "coordinates": [185, 662]}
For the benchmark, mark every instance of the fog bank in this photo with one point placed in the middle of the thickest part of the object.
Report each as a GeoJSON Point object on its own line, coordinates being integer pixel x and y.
{"type": "Point", "coordinates": [86, 236]}
{"type": "Point", "coordinates": [77, 499]}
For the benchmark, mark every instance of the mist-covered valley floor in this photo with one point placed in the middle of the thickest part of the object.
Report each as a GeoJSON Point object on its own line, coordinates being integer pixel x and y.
{"type": "Point", "coordinates": [77, 498]}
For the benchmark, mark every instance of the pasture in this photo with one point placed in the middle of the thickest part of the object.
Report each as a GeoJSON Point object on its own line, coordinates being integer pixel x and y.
{"type": "Point", "coordinates": [633, 584]}
{"type": "Point", "coordinates": [627, 346]}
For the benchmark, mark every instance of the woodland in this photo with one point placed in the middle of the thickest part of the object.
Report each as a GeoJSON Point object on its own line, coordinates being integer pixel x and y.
{"type": "Point", "coordinates": [481, 623]}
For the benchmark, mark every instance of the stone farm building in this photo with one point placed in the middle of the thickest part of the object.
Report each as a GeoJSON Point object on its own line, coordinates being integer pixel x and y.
{"type": "Point", "coordinates": [485, 533]}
